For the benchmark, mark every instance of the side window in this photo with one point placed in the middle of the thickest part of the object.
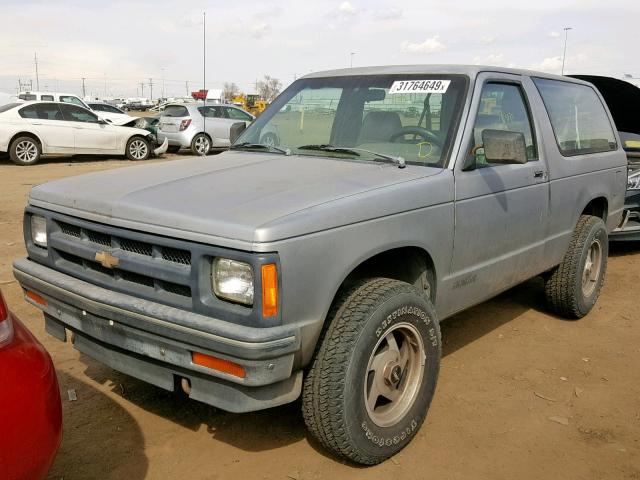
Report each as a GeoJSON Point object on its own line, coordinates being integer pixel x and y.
{"type": "Point", "coordinates": [46, 98]}
{"type": "Point", "coordinates": [71, 99]}
{"type": "Point", "coordinates": [49, 111]}
{"type": "Point", "coordinates": [236, 114]}
{"type": "Point", "coordinates": [502, 107]}
{"type": "Point", "coordinates": [77, 114]}
{"type": "Point", "coordinates": [29, 112]}
{"type": "Point", "coordinates": [579, 120]}
{"type": "Point", "coordinates": [211, 112]}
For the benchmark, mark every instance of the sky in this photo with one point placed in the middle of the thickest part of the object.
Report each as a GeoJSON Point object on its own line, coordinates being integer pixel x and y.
{"type": "Point", "coordinates": [117, 45]}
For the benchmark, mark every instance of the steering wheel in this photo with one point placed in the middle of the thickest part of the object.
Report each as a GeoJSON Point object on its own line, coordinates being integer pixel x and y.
{"type": "Point", "coordinates": [427, 135]}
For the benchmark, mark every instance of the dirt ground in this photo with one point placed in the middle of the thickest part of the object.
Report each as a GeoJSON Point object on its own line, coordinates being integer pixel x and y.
{"type": "Point", "coordinates": [522, 394]}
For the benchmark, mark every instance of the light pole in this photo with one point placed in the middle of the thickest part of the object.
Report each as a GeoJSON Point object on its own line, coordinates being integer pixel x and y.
{"type": "Point", "coordinates": [162, 68]}
{"type": "Point", "coordinates": [564, 53]}
{"type": "Point", "coordinates": [351, 58]}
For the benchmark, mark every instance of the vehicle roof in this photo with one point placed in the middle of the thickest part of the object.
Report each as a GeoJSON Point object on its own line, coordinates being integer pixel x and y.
{"type": "Point", "coordinates": [33, 102]}
{"type": "Point", "coordinates": [40, 92]}
{"type": "Point", "coordinates": [471, 71]}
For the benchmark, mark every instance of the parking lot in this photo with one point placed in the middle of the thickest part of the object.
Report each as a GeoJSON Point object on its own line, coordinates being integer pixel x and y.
{"type": "Point", "coordinates": [522, 393]}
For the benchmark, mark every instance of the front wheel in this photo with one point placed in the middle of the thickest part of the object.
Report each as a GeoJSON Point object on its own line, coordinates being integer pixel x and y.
{"type": "Point", "coordinates": [200, 145]}
{"type": "Point", "coordinates": [574, 286]}
{"type": "Point", "coordinates": [138, 148]}
{"type": "Point", "coordinates": [374, 374]}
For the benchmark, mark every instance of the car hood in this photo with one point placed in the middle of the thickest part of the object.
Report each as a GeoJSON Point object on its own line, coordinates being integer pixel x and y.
{"type": "Point", "coordinates": [234, 195]}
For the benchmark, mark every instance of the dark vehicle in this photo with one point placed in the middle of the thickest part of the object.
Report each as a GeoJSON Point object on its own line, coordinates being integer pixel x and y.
{"type": "Point", "coordinates": [623, 100]}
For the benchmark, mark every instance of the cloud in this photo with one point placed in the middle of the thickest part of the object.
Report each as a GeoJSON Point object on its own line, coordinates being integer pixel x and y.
{"type": "Point", "coordinates": [259, 29]}
{"type": "Point", "coordinates": [554, 64]}
{"type": "Point", "coordinates": [391, 13]}
{"type": "Point", "coordinates": [488, 39]}
{"type": "Point", "coordinates": [345, 8]}
{"type": "Point", "coordinates": [430, 45]}
{"type": "Point", "coordinates": [493, 59]}
{"type": "Point", "coordinates": [553, 34]}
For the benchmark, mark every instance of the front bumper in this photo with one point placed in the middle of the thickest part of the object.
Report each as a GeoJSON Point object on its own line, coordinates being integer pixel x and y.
{"type": "Point", "coordinates": [154, 342]}
{"type": "Point", "coordinates": [162, 148]}
{"type": "Point", "coordinates": [629, 229]}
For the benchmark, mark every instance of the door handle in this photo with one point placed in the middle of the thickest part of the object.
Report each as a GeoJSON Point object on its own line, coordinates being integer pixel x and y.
{"type": "Point", "coordinates": [539, 174]}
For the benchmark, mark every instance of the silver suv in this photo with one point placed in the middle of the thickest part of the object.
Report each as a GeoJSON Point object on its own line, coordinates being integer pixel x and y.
{"type": "Point", "coordinates": [323, 266]}
{"type": "Point", "coordinates": [198, 126]}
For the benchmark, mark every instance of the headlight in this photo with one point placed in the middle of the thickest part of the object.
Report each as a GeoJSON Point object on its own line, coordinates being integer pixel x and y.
{"type": "Point", "coordinates": [634, 181]}
{"type": "Point", "coordinates": [233, 280]}
{"type": "Point", "coordinates": [39, 230]}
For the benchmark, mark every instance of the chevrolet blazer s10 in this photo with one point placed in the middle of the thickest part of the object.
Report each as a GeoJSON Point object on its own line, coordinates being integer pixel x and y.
{"type": "Point", "coordinates": [318, 256]}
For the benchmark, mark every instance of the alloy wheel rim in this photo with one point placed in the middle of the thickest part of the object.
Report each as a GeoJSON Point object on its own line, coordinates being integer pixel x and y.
{"type": "Point", "coordinates": [394, 374]}
{"type": "Point", "coordinates": [202, 145]}
{"type": "Point", "coordinates": [27, 151]}
{"type": "Point", "coordinates": [592, 267]}
{"type": "Point", "coordinates": [138, 149]}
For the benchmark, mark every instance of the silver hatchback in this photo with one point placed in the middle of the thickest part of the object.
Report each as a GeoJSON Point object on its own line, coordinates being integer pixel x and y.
{"type": "Point", "coordinates": [200, 127]}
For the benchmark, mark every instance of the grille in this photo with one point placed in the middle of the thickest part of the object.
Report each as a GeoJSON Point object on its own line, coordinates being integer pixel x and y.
{"type": "Point", "coordinates": [176, 289]}
{"type": "Point", "coordinates": [96, 267]}
{"type": "Point", "coordinates": [134, 246]}
{"type": "Point", "coordinates": [70, 258]}
{"type": "Point", "coordinates": [176, 255]}
{"type": "Point", "coordinates": [97, 237]}
{"type": "Point", "coordinates": [127, 276]}
{"type": "Point", "coordinates": [137, 278]}
{"type": "Point", "coordinates": [69, 229]}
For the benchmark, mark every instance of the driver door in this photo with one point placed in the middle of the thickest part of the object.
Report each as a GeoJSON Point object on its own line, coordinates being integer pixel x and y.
{"type": "Point", "coordinates": [501, 211]}
{"type": "Point", "coordinates": [90, 136]}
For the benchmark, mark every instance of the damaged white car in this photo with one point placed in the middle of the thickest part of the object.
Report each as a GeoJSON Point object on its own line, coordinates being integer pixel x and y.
{"type": "Point", "coordinates": [31, 129]}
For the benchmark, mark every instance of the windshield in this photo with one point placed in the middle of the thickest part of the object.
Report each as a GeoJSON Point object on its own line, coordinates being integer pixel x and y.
{"type": "Point", "coordinates": [409, 116]}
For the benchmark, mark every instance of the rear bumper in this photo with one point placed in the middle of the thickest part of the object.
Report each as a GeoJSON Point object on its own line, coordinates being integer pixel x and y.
{"type": "Point", "coordinates": [154, 342]}
{"type": "Point", "coordinates": [182, 139]}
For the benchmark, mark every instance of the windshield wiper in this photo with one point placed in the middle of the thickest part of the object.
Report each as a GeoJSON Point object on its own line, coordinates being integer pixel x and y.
{"type": "Point", "coordinates": [354, 151]}
{"type": "Point", "coordinates": [261, 146]}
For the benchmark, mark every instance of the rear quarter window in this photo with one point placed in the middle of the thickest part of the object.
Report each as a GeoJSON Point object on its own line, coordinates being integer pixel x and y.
{"type": "Point", "coordinates": [175, 111]}
{"type": "Point", "coordinates": [578, 117]}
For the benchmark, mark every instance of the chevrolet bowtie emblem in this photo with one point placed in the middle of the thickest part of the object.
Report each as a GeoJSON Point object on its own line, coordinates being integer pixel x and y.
{"type": "Point", "coordinates": [107, 260]}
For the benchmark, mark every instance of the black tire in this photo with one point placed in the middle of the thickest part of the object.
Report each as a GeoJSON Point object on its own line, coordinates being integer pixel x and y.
{"type": "Point", "coordinates": [201, 144]}
{"type": "Point", "coordinates": [336, 385]}
{"type": "Point", "coordinates": [570, 291]}
{"type": "Point", "coordinates": [25, 151]}
{"type": "Point", "coordinates": [138, 148]}
{"type": "Point", "coordinates": [173, 148]}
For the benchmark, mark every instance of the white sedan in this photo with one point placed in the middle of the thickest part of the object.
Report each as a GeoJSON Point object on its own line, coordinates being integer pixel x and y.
{"type": "Point", "coordinates": [32, 129]}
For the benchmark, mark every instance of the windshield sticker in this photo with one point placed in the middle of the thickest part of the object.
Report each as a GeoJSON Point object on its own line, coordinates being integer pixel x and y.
{"type": "Point", "coordinates": [419, 86]}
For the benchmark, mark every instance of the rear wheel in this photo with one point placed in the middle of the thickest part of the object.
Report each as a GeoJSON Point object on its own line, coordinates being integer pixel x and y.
{"type": "Point", "coordinates": [574, 286]}
{"type": "Point", "coordinates": [201, 144]}
{"type": "Point", "coordinates": [374, 374]}
{"type": "Point", "coordinates": [138, 148]}
{"type": "Point", "coordinates": [25, 151]}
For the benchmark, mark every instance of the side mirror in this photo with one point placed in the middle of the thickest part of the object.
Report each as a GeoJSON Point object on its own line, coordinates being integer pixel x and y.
{"type": "Point", "coordinates": [102, 121]}
{"type": "Point", "coordinates": [236, 130]}
{"type": "Point", "coordinates": [504, 147]}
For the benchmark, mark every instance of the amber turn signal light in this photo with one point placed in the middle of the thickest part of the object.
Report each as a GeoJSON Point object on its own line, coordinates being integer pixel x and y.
{"type": "Point", "coordinates": [269, 290]}
{"type": "Point", "coordinates": [36, 298]}
{"type": "Point", "coordinates": [218, 364]}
